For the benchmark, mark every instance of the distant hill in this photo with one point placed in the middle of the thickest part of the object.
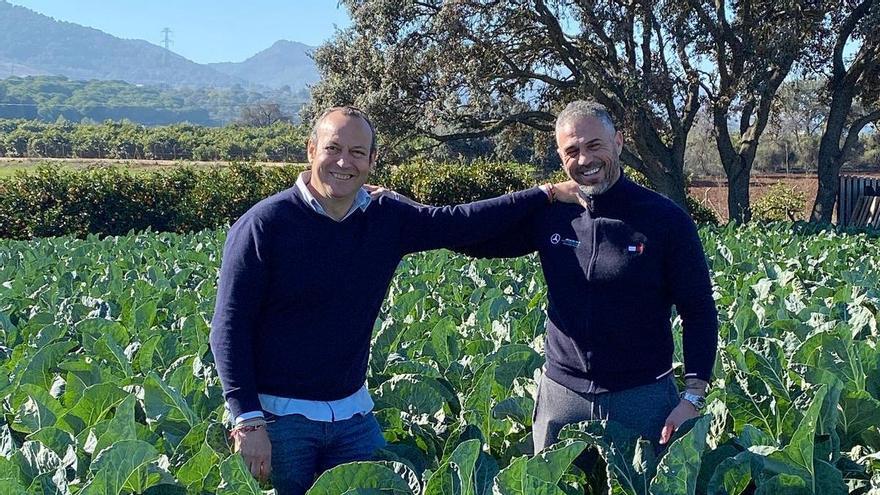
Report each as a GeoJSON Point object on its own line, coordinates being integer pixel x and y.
{"type": "Point", "coordinates": [286, 63]}
{"type": "Point", "coordinates": [35, 44]}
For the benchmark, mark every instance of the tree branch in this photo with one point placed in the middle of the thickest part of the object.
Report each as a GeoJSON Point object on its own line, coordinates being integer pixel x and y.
{"type": "Point", "coordinates": [535, 119]}
{"type": "Point", "coordinates": [846, 30]}
{"type": "Point", "coordinates": [570, 52]}
{"type": "Point", "coordinates": [852, 135]}
{"type": "Point", "coordinates": [599, 30]}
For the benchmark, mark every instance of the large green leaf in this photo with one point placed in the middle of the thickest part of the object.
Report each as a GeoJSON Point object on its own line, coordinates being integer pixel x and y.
{"type": "Point", "coordinates": [541, 473]}
{"type": "Point", "coordinates": [95, 403]}
{"type": "Point", "coordinates": [629, 460]}
{"type": "Point", "coordinates": [410, 393]}
{"type": "Point", "coordinates": [678, 470]}
{"type": "Point", "coordinates": [161, 401]}
{"type": "Point", "coordinates": [784, 484]}
{"type": "Point", "coordinates": [360, 476]}
{"type": "Point", "coordinates": [514, 361]}
{"type": "Point", "coordinates": [34, 459]}
{"type": "Point", "coordinates": [196, 472]}
{"type": "Point", "coordinates": [835, 351]}
{"type": "Point", "coordinates": [517, 408]}
{"type": "Point", "coordinates": [114, 466]}
{"type": "Point", "coordinates": [120, 427]}
{"type": "Point", "coordinates": [58, 441]}
{"type": "Point", "coordinates": [800, 450]}
{"type": "Point", "coordinates": [858, 412]}
{"type": "Point", "coordinates": [50, 484]}
{"type": "Point", "coordinates": [38, 369]}
{"type": "Point", "coordinates": [444, 342]}
{"type": "Point", "coordinates": [237, 478]}
{"type": "Point", "coordinates": [109, 350]}
{"type": "Point", "coordinates": [34, 414]}
{"type": "Point", "coordinates": [732, 476]}
{"type": "Point", "coordinates": [456, 475]}
{"type": "Point", "coordinates": [479, 402]}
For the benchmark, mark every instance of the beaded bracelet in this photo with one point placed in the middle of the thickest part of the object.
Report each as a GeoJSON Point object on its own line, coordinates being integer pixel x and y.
{"type": "Point", "coordinates": [240, 429]}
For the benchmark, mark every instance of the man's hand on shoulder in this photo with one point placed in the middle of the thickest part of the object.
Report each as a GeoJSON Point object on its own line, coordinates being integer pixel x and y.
{"type": "Point", "coordinates": [377, 192]}
{"type": "Point", "coordinates": [567, 192]}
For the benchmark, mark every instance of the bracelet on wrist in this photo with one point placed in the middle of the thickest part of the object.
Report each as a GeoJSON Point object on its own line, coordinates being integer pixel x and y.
{"type": "Point", "coordinates": [246, 428]}
{"type": "Point", "coordinates": [551, 192]}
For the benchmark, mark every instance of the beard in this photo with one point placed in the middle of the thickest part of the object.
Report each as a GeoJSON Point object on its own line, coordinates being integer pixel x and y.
{"type": "Point", "coordinates": [608, 174]}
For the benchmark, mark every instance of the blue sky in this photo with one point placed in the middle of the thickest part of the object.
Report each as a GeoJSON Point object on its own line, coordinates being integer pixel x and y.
{"type": "Point", "coordinates": [202, 30]}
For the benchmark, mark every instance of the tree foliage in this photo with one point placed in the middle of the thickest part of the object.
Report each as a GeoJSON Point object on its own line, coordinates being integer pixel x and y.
{"type": "Point", "coordinates": [457, 70]}
{"type": "Point", "coordinates": [750, 47]}
{"type": "Point", "coordinates": [853, 88]}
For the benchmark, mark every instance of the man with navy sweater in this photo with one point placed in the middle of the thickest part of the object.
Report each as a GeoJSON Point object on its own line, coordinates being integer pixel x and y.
{"type": "Point", "coordinates": [303, 277]}
{"type": "Point", "coordinates": [614, 269]}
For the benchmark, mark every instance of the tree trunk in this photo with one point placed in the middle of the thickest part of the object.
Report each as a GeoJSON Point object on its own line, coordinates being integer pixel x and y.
{"type": "Point", "coordinates": [738, 178]}
{"type": "Point", "coordinates": [665, 173]}
{"type": "Point", "coordinates": [670, 182]}
{"type": "Point", "coordinates": [831, 157]}
{"type": "Point", "coordinates": [829, 186]}
{"type": "Point", "coordinates": [737, 167]}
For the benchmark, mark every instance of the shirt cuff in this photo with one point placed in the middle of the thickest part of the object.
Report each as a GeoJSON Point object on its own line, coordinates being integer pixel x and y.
{"type": "Point", "coordinates": [546, 189]}
{"type": "Point", "coordinates": [248, 415]}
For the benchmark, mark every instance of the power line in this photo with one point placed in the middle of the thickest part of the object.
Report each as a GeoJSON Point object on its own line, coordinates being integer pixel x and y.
{"type": "Point", "coordinates": [166, 41]}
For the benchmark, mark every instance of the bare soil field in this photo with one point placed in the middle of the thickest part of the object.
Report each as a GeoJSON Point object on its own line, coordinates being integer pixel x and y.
{"type": "Point", "coordinates": [712, 191]}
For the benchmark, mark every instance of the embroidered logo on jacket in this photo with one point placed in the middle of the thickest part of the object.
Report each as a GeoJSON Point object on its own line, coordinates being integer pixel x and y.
{"type": "Point", "coordinates": [637, 248]}
{"type": "Point", "coordinates": [556, 239]}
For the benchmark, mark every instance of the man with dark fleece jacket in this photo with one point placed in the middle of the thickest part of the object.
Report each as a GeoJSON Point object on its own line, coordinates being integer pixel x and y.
{"type": "Point", "coordinates": [303, 277]}
{"type": "Point", "coordinates": [614, 270]}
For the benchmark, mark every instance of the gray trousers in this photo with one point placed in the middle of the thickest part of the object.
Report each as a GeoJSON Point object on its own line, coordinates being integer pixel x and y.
{"type": "Point", "coordinates": [643, 409]}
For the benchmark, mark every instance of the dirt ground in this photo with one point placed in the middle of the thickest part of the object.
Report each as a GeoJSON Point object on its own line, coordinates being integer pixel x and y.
{"type": "Point", "coordinates": [712, 191]}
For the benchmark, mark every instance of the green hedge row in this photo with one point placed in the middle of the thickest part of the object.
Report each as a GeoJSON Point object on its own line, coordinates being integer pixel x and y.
{"type": "Point", "coordinates": [51, 201]}
{"type": "Point", "coordinates": [280, 142]}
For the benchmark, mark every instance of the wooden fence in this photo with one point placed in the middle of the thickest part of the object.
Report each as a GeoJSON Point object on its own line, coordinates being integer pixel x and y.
{"type": "Point", "coordinates": [858, 202]}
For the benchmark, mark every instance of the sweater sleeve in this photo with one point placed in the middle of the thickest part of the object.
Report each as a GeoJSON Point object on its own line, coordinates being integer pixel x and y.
{"type": "Point", "coordinates": [687, 274]}
{"type": "Point", "coordinates": [513, 242]}
{"type": "Point", "coordinates": [425, 228]}
{"type": "Point", "coordinates": [243, 278]}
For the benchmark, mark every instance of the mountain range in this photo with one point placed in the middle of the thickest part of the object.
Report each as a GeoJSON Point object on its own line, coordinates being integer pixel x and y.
{"type": "Point", "coordinates": [35, 44]}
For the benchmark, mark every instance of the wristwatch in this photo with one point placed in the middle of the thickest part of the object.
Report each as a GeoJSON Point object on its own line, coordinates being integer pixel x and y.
{"type": "Point", "coordinates": [698, 401]}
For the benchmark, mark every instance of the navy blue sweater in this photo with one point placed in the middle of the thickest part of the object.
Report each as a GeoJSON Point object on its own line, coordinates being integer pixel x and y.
{"type": "Point", "coordinates": [299, 293]}
{"type": "Point", "coordinates": [613, 273]}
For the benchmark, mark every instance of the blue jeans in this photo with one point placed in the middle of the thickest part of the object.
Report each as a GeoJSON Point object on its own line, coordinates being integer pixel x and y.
{"type": "Point", "coordinates": [302, 449]}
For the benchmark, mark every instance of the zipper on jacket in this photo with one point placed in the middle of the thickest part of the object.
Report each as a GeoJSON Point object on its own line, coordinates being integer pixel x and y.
{"type": "Point", "coordinates": [589, 198]}
{"type": "Point", "coordinates": [594, 254]}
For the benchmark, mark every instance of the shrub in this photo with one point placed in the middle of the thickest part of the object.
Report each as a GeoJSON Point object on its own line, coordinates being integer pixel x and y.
{"type": "Point", "coordinates": [437, 183]}
{"type": "Point", "coordinates": [52, 201]}
{"type": "Point", "coordinates": [781, 203]}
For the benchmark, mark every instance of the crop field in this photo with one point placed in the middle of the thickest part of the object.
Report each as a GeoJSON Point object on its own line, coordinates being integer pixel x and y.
{"type": "Point", "coordinates": [10, 166]}
{"type": "Point", "coordinates": [107, 383]}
